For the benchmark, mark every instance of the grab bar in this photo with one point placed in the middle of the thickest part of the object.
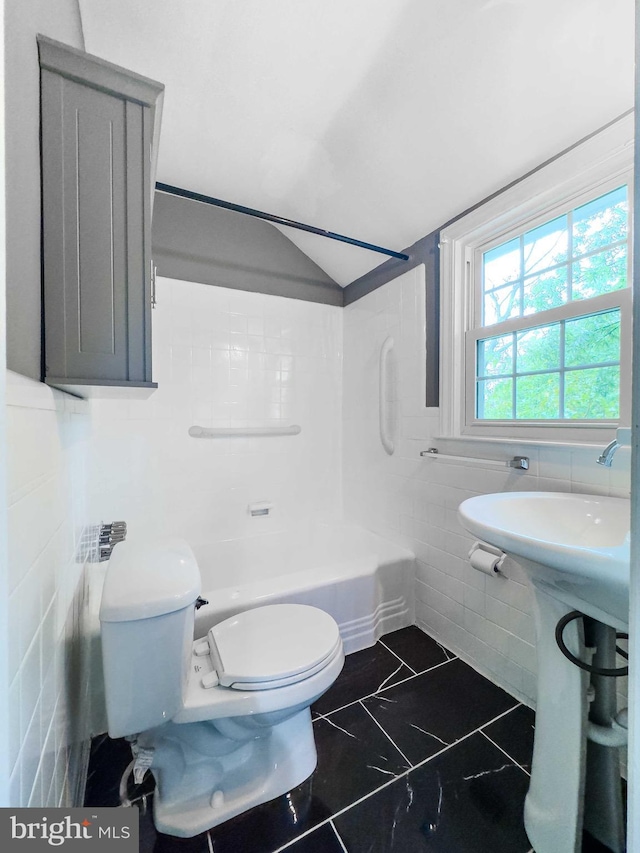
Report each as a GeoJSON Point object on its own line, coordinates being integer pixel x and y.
{"type": "Point", "coordinates": [385, 438]}
{"type": "Point", "coordinates": [521, 463]}
{"type": "Point", "coordinates": [240, 432]}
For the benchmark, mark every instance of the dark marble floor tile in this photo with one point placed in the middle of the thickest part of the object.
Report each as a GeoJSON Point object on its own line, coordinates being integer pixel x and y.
{"type": "Point", "coordinates": [514, 734]}
{"type": "Point", "coordinates": [354, 757]}
{"type": "Point", "coordinates": [467, 800]}
{"type": "Point", "coordinates": [107, 762]}
{"type": "Point", "coordinates": [416, 648]}
{"type": "Point", "coordinates": [437, 708]}
{"type": "Point", "coordinates": [147, 832]}
{"type": "Point", "coordinates": [267, 827]}
{"type": "Point", "coordinates": [171, 844]}
{"type": "Point", "coordinates": [322, 840]}
{"type": "Point", "coordinates": [363, 673]}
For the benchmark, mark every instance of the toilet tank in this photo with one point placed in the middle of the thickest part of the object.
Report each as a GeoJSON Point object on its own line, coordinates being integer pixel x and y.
{"type": "Point", "coordinates": [146, 627]}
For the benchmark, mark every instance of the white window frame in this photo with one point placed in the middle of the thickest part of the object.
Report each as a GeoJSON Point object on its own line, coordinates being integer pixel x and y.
{"type": "Point", "coordinates": [590, 169]}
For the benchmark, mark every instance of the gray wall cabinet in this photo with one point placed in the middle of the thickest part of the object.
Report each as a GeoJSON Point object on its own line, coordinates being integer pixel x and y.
{"type": "Point", "coordinates": [99, 127]}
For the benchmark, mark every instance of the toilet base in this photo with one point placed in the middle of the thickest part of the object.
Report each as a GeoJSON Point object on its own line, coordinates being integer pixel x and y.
{"type": "Point", "coordinates": [200, 791]}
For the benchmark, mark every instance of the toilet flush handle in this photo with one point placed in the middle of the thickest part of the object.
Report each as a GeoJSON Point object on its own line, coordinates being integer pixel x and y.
{"type": "Point", "coordinates": [200, 602]}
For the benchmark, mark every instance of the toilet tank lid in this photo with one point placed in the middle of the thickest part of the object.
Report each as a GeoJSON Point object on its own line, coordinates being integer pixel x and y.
{"type": "Point", "coordinates": [147, 578]}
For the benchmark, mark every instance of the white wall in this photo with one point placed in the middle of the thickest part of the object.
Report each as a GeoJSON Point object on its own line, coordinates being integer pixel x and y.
{"type": "Point", "coordinates": [222, 358]}
{"type": "Point", "coordinates": [47, 436]}
{"type": "Point", "coordinates": [414, 501]}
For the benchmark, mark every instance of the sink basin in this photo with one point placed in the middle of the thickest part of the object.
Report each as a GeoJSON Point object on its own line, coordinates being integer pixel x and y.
{"type": "Point", "coordinates": [575, 546]}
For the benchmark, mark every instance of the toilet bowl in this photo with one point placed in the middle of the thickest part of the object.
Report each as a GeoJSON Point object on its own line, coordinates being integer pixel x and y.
{"type": "Point", "coordinates": [222, 722]}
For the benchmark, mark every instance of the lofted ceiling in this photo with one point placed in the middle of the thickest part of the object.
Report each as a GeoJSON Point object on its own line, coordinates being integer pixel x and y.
{"type": "Point", "coordinates": [379, 119]}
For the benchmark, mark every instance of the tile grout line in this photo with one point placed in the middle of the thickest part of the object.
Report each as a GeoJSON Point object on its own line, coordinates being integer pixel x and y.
{"type": "Point", "coordinates": [304, 834]}
{"type": "Point", "coordinates": [504, 752]}
{"type": "Point", "coordinates": [411, 768]}
{"type": "Point", "coordinates": [378, 691]}
{"type": "Point", "coordinates": [398, 656]}
{"type": "Point", "coordinates": [384, 732]}
{"type": "Point", "coordinates": [459, 740]}
{"type": "Point", "coordinates": [392, 781]}
{"type": "Point", "coordinates": [423, 762]}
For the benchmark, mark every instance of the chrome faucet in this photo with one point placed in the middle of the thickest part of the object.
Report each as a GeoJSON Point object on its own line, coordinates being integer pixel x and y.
{"type": "Point", "coordinates": [606, 457]}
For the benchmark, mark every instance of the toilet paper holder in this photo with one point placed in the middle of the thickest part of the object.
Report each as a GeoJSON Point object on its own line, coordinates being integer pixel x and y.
{"type": "Point", "coordinates": [486, 558]}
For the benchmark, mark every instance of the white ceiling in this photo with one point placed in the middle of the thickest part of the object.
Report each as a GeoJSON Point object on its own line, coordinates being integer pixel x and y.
{"type": "Point", "coordinates": [379, 119]}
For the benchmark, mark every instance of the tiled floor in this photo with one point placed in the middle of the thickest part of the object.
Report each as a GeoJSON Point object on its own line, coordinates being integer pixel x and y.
{"type": "Point", "coordinates": [416, 752]}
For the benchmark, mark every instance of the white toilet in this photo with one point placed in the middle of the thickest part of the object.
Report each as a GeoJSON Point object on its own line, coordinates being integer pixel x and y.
{"type": "Point", "coordinates": [223, 722]}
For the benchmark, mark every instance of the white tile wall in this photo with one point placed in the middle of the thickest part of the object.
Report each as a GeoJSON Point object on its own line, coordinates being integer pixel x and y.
{"type": "Point", "coordinates": [225, 358]}
{"type": "Point", "coordinates": [414, 501]}
{"type": "Point", "coordinates": [47, 440]}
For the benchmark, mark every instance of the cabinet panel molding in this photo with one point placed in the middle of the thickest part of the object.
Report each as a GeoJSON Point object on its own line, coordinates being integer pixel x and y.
{"type": "Point", "coordinates": [97, 179]}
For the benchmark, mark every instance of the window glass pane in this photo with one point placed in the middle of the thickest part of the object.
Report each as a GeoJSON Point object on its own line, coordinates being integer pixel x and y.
{"type": "Point", "coordinates": [495, 355]}
{"type": "Point", "coordinates": [501, 264]}
{"type": "Point", "coordinates": [545, 291]}
{"type": "Point", "coordinates": [568, 369]}
{"type": "Point", "coordinates": [593, 339]}
{"type": "Point", "coordinates": [538, 397]}
{"type": "Point", "coordinates": [600, 273]}
{"type": "Point", "coordinates": [600, 222]}
{"type": "Point", "coordinates": [593, 393]}
{"type": "Point", "coordinates": [546, 245]}
{"type": "Point", "coordinates": [494, 399]}
{"type": "Point", "coordinates": [538, 349]}
{"type": "Point", "coordinates": [501, 304]}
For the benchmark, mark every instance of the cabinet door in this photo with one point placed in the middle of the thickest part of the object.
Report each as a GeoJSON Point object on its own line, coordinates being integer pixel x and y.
{"type": "Point", "coordinates": [96, 275]}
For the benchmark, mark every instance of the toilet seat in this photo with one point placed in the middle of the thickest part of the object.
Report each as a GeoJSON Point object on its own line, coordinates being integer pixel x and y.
{"type": "Point", "coordinates": [272, 646]}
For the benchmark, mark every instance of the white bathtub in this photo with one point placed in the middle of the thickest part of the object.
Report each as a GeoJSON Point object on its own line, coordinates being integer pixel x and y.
{"type": "Point", "coordinates": [365, 582]}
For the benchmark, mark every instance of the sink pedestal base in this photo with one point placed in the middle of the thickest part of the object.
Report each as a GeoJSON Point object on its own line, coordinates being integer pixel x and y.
{"type": "Point", "coordinates": [603, 812]}
{"type": "Point", "coordinates": [572, 785]}
{"type": "Point", "coordinates": [553, 810]}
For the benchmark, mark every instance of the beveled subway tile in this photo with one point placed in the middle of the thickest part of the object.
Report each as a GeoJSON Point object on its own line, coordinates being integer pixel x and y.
{"type": "Point", "coordinates": [354, 757]}
{"type": "Point", "coordinates": [437, 708]}
{"type": "Point", "coordinates": [467, 800]}
{"type": "Point", "coordinates": [514, 733]}
{"type": "Point", "coordinates": [417, 649]}
{"type": "Point", "coordinates": [364, 673]}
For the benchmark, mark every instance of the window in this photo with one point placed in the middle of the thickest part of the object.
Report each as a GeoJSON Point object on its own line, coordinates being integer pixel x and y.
{"type": "Point", "coordinates": [568, 369]}
{"type": "Point", "coordinates": [538, 312]}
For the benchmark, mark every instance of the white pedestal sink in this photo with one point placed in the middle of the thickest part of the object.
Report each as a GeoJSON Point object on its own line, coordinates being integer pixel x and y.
{"type": "Point", "coordinates": [575, 550]}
